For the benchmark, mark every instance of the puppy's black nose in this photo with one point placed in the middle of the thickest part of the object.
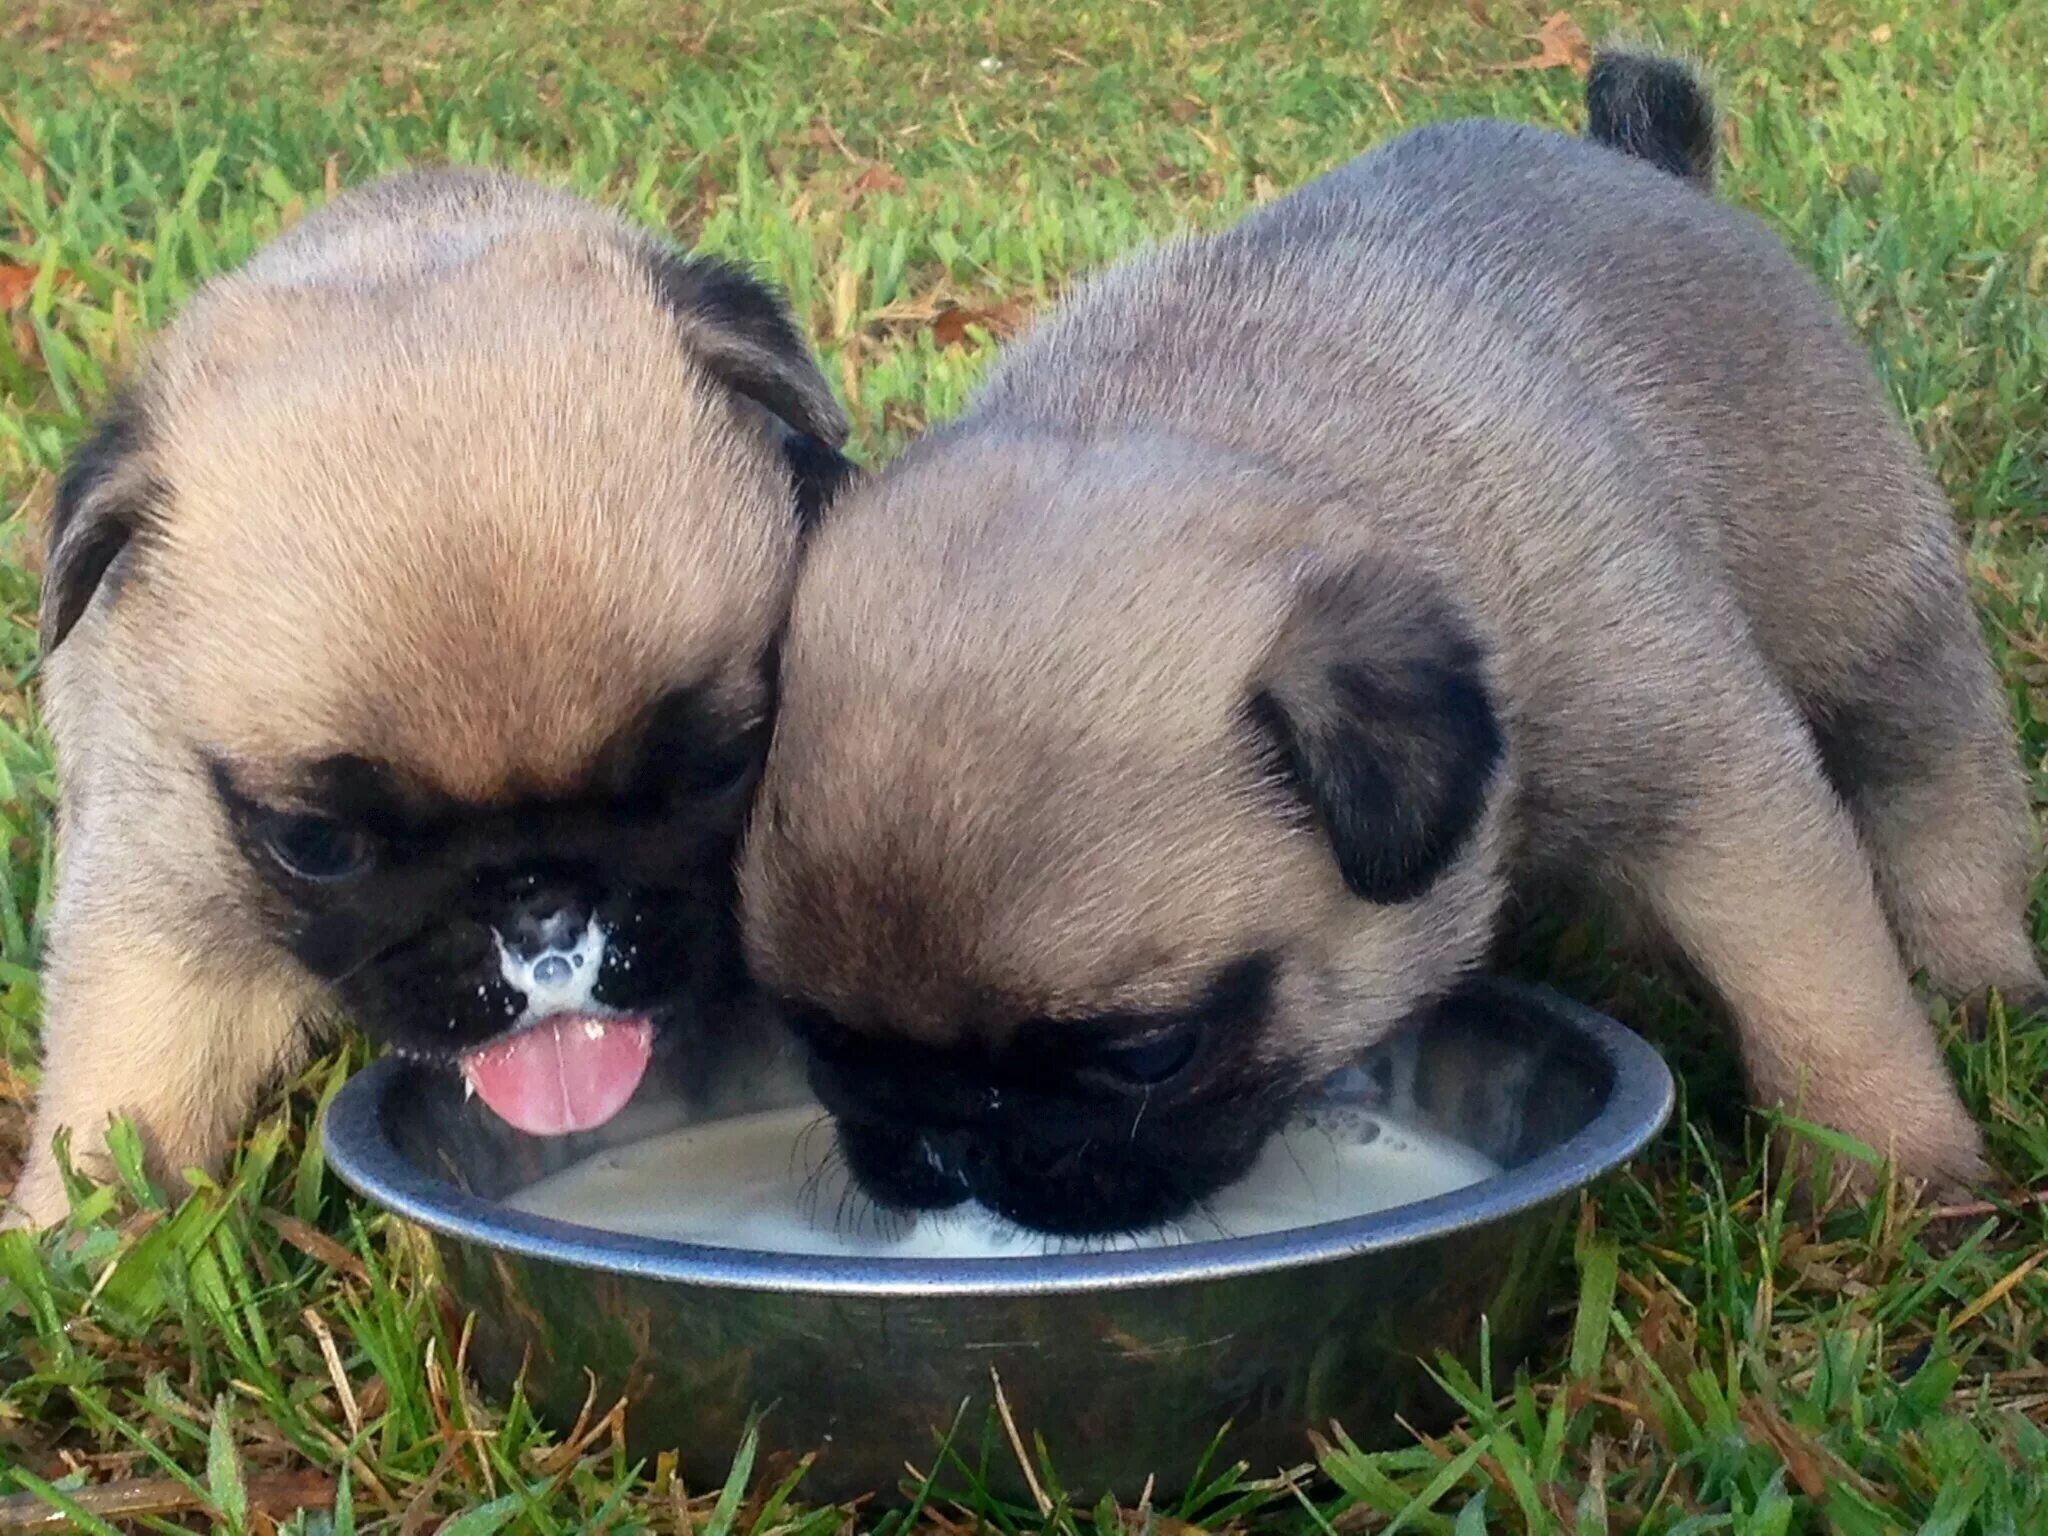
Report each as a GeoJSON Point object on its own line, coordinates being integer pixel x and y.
{"type": "Point", "coordinates": [544, 916]}
{"type": "Point", "coordinates": [954, 1154]}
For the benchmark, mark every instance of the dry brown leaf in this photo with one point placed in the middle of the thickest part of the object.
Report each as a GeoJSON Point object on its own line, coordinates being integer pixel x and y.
{"type": "Point", "coordinates": [878, 178]}
{"type": "Point", "coordinates": [419, 1509]}
{"type": "Point", "coordinates": [1560, 44]}
{"type": "Point", "coordinates": [16, 283]}
{"type": "Point", "coordinates": [1806, 1461]}
{"type": "Point", "coordinates": [315, 1244]}
{"type": "Point", "coordinates": [950, 327]}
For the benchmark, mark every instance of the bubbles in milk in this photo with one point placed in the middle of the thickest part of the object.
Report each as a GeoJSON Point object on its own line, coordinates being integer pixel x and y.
{"type": "Point", "coordinates": [773, 1182]}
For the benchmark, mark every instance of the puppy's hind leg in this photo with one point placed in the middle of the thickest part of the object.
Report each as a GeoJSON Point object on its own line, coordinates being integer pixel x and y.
{"type": "Point", "coordinates": [134, 1029]}
{"type": "Point", "coordinates": [1923, 754]}
{"type": "Point", "coordinates": [1761, 879]}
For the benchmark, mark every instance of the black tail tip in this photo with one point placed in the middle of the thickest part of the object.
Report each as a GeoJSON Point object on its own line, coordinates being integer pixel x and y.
{"type": "Point", "coordinates": [1654, 108]}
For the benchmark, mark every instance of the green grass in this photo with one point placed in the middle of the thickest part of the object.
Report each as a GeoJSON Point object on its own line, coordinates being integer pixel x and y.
{"type": "Point", "coordinates": [269, 1354]}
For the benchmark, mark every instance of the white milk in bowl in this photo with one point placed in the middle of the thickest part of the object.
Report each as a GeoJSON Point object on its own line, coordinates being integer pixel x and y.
{"type": "Point", "coordinates": [772, 1182]}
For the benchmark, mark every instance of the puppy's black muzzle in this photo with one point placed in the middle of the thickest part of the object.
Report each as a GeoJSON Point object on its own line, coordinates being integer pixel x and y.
{"type": "Point", "coordinates": [921, 1140]}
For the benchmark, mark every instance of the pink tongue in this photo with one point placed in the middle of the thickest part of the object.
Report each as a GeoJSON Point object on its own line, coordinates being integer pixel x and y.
{"type": "Point", "coordinates": [568, 1073]}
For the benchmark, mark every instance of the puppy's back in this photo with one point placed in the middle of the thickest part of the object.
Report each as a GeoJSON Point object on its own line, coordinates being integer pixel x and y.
{"type": "Point", "coordinates": [1579, 343]}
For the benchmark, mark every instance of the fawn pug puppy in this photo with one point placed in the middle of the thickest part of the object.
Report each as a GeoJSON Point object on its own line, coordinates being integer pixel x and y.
{"type": "Point", "coordinates": [1178, 721]}
{"type": "Point", "coordinates": [409, 624]}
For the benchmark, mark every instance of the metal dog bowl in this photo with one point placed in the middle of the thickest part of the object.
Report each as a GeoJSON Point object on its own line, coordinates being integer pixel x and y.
{"type": "Point", "coordinates": [1127, 1364]}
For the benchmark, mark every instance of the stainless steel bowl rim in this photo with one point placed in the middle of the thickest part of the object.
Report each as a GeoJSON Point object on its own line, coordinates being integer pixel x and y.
{"type": "Point", "coordinates": [1638, 1103]}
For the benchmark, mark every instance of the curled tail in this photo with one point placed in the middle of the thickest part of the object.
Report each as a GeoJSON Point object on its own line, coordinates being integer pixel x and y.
{"type": "Point", "coordinates": [1654, 108]}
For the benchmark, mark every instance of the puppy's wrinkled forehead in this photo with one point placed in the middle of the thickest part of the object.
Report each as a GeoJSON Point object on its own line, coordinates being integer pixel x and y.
{"type": "Point", "coordinates": [1012, 775]}
{"type": "Point", "coordinates": [474, 529]}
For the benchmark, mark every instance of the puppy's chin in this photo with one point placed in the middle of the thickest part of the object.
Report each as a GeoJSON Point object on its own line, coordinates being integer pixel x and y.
{"type": "Point", "coordinates": [1089, 1187]}
{"type": "Point", "coordinates": [899, 1169]}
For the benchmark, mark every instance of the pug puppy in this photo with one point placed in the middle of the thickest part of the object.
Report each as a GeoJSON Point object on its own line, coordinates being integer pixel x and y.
{"type": "Point", "coordinates": [1180, 720]}
{"type": "Point", "coordinates": [409, 623]}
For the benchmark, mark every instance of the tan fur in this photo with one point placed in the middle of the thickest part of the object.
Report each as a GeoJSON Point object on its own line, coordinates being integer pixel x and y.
{"type": "Point", "coordinates": [444, 486]}
{"type": "Point", "coordinates": [1133, 840]}
{"type": "Point", "coordinates": [1619, 431]}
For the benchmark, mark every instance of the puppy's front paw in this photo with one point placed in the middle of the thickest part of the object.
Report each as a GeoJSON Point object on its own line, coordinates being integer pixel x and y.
{"type": "Point", "coordinates": [40, 1199]}
{"type": "Point", "coordinates": [1938, 1146]}
{"type": "Point", "coordinates": [1940, 1156]}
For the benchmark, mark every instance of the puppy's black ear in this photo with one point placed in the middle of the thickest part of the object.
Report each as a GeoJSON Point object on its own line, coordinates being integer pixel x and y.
{"type": "Point", "coordinates": [744, 335]}
{"type": "Point", "coordinates": [104, 499]}
{"type": "Point", "coordinates": [1654, 108]}
{"type": "Point", "coordinates": [820, 474]}
{"type": "Point", "coordinates": [1374, 706]}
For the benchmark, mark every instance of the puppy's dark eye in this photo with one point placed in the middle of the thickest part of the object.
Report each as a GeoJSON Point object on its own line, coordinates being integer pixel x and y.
{"type": "Point", "coordinates": [716, 775]}
{"type": "Point", "coordinates": [318, 848]}
{"type": "Point", "coordinates": [1150, 1062]}
{"type": "Point", "coordinates": [725, 767]}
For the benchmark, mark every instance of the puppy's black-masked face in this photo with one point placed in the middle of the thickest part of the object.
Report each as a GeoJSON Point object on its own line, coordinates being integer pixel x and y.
{"type": "Point", "coordinates": [1053, 730]}
{"type": "Point", "coordinates": [1068, 1126]}
{"type": "Point", "coordinates": [543, 945]}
